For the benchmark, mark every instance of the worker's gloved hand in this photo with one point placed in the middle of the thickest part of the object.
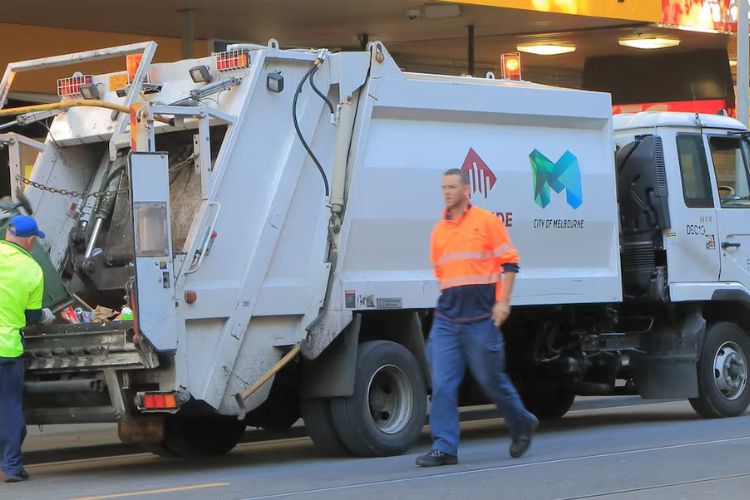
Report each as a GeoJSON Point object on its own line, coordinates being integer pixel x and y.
{"type": "Point", "coordinates": [47, 317]}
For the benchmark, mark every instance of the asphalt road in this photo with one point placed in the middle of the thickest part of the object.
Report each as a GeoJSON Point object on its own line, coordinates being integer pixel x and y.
{"type": "Point", "coordinates": [601, 450]}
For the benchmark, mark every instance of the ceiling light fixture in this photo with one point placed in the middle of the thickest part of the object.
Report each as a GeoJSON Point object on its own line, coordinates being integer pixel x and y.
{"type": "Point", "coordinates": [546, 49]}
{"type": "Point", "coordinates": [649, 43]}
{"type": "Point", "coordinates": [434, 12]}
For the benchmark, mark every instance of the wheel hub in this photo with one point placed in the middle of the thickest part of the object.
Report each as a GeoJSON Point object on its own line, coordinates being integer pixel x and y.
{"type": "Point", "coordinates": [730, 370]}
{"type": "Point", "coordinates": [390, 400]}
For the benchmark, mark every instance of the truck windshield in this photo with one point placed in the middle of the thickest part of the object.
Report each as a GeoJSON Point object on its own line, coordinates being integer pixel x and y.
{"type": "Point", "coordinates": [730, 159]}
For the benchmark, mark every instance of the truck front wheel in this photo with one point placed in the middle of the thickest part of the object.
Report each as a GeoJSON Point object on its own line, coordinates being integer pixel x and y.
{"type": "Point", "coordinates": [722, 372]}
{"type": "Point", "coordinates": [386, 413]}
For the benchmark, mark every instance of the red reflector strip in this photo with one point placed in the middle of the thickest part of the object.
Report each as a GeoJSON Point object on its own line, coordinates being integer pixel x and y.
{"type": "Point", "coordinates": [72, 86]}
{"type": "Point", "coordinates": [159, 401]}
{"type": "Point", "coordinates": [232, 59]}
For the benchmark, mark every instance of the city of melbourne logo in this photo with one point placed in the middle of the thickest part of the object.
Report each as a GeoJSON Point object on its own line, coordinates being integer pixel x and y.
{"type": "Point", "coordinates": [481, 178]}
{"type": "Point", "coordinates": [565, 174]}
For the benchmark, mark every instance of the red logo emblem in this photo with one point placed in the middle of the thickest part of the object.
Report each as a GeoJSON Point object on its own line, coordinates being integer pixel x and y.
{"type": "Point", "coordinates": [481, 178]}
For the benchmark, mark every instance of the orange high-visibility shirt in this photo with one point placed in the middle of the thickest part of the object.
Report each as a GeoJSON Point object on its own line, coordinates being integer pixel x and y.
{"type": "Point", "coordinates": [469, 255]}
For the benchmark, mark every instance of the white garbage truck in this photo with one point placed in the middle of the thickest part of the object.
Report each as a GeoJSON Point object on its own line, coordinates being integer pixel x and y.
{"type": "Point", "coordinates": [266, 215]}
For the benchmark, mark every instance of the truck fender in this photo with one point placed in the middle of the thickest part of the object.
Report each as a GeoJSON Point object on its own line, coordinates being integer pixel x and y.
{"type": "Point", "coordinates": [332, 373]}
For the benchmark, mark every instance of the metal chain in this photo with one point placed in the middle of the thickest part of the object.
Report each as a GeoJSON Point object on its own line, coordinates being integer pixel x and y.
{"type": "Point", "coordinates": [66, 192]}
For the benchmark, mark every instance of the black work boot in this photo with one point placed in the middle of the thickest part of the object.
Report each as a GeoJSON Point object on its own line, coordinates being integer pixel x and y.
{"type": "Point", "coordinates": [435, 458]}
{"type": "Point", "coordinates": [522, 441]}
{"type": "Point", "coordinates": [17, 478]}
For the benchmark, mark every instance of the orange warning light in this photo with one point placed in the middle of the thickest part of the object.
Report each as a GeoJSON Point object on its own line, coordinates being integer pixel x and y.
{"type": "Point", "coordinates": [511, 66]}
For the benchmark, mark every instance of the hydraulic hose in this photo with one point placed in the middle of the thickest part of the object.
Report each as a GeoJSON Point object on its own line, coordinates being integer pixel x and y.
{"type": "Point", "coordinates": [317, 91]}
{"type": "Point", "coordinates": [310, 72]}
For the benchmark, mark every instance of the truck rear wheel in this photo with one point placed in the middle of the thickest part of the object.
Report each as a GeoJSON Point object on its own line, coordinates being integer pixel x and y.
{"type": "Point", "coordinates": [210, 436]}
{"type": "Point", "coordinates": [316, 414]}
{"type": "Point", "coordinates": [722, 372]}
{"type": "Point", "coordinates": [386, 413]}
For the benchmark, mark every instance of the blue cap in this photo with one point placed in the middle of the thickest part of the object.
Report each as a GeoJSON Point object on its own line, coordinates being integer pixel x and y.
{"type": "Point", "coordinates": [24, 226]}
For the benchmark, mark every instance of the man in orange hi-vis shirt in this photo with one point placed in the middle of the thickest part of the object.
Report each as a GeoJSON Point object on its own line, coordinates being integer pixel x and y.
{"type": "Point", "coordinates": [475, 265]}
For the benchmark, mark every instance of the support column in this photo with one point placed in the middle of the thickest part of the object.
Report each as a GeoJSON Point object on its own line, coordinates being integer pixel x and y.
{"type": "Point", "coordinates": [188, 32]}
{"type": "Point", "coordinates": [471, 57]}
{"type": "Point", "coordinates": [743, 71]}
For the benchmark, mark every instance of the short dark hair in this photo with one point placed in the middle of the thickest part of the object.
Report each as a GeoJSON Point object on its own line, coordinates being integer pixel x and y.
{"type": "Point", "coordinates": [460, 173]}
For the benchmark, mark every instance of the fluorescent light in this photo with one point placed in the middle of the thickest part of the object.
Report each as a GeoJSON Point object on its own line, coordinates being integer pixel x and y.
{"type": "Point", "coordinates": [649, 43]}
{"type": "Point", "coordinates": [697, 29]}
{"type": "Point", "coordinates": [545, 49]}
{"type": "Point", "coordinates": [441, 11]}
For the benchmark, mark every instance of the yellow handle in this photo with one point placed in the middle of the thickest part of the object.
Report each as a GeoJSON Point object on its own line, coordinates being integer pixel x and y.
{"type": "Point", "coordinates": [94, 103]}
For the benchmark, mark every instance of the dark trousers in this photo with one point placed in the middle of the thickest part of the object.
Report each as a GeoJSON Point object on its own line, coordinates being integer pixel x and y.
{"type": "Point", "coordinates": [452, 348]}
{"type": "Point", "coordinates": [12, 423]}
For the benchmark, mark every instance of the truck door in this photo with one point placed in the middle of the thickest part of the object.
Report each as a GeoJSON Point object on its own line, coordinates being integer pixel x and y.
{"type": "Point", "coordinates": [729, 157]}
{"type": "Point", "coordinates": [155, 295]}
{"type": "Point", "coordinates": [692, 241]}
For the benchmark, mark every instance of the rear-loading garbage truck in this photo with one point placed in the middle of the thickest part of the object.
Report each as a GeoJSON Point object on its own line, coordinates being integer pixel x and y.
{"type": "Point", "coordinates": [266, 214]}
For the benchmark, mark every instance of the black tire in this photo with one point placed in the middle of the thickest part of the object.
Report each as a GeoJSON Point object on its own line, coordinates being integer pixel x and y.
{"type": "Point", "coordinates": [548, 401]}
{"type": "Point", "coordinates": [198, 436]}
{"type": "Point", "coordinates": [159, 449]}
{"type": "Point", "coordinates": [316, 414]}
{"type": "Point", "coordinates": [386, 413]}
{"type": "Point", "coordinates": [728, 345]}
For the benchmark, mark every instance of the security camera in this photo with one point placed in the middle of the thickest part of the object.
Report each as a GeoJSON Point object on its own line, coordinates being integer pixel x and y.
{"type": "Point", "coordinates": [413, 14]}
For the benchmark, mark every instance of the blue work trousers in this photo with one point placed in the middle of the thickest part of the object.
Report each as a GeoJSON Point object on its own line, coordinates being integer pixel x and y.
{"type": "Point", "coordinates": [479, 345]}
{"type": "Point", "coordinates": [12, 423]}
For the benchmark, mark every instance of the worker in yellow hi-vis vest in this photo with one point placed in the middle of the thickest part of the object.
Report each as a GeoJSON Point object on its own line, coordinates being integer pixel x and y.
{"type": "Point", "coordinates": [21, 292]}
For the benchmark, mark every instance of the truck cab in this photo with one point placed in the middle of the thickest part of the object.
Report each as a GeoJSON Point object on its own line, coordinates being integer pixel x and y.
{"type": "Point", "coordinates": [705, 162]}
{"type": "Point", "coordinates": [684, 237]}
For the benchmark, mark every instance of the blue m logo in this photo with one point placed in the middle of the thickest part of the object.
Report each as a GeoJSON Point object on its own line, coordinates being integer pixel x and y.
{"type": "Point", "coordinates": [563, 174]}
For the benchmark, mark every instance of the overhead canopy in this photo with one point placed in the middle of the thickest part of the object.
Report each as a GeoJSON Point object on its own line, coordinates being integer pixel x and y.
{"type": "Point", "coordinates": [420, 37]}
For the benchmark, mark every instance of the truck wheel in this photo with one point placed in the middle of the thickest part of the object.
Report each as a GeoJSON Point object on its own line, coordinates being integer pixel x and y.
{"type": "Point", "coordinates": [211, 436]}
{"type": "Point", "coordinates": [548, 401]}
{"type": "Point", "coordinates": [319, 426]}
{"type": "Point", "coordinates": [386, 413]}
{"type": "Point", "coordinates": [159, 449]}
{"type": "Point", "coordinates": [722, 372]}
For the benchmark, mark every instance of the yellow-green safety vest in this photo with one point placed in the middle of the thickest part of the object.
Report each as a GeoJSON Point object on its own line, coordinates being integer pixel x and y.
{"type": "Point", "coordinates": [21, 289]}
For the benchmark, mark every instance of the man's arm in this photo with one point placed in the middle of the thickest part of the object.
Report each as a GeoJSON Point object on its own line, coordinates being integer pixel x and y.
{"type": "Point", "coordinates": [501, 309]}
{"type": "Point", "coordinates": [434, 257]}
{"type": "Point", "coordinates": [35, 314]}
{"type": "Point", "coordinates": [507, 259]}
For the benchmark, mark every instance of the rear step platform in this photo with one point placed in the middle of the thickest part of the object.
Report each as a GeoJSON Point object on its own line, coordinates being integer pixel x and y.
{"type": "Point", "coordinates": [86, 347]}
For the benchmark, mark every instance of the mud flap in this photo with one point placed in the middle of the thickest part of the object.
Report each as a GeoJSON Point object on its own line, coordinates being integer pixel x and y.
{"type": "Point", "coordinates": [141, 429]}
{"type": "Point", "coordinates": [668, 370]}
{"type": "Point", "coordinates": [332, 373]}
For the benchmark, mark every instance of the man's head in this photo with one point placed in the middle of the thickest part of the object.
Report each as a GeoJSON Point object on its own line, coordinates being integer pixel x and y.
{"type": "Point", "coordinates": [455, 188]}
{"type": "Point", "coordinates": [23, 231]}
